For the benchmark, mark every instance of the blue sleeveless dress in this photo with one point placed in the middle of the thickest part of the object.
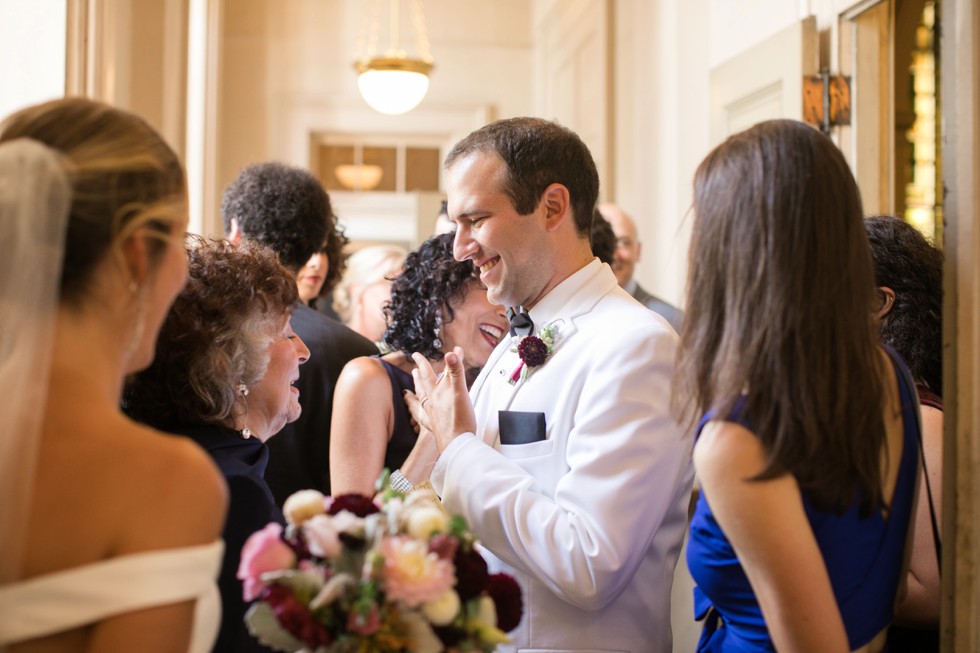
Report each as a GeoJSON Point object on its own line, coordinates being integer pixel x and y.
{"type": "Point", "coordinates": [403, 435]}
{"type": "Point", "coordinates": [864, 558]}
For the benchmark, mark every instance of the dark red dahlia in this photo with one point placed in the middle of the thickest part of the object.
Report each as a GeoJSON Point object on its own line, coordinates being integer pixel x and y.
{"type": "Point", "coordinates": [471, 573]}
{"type": "Point", "coordinates": [295, 617]}
{"type": "Point", "coordinates": [506, 595]}
{"type": "Point", "coordinates": [357, 504]}
{"type": "Point", "coordinates": [532, 351]}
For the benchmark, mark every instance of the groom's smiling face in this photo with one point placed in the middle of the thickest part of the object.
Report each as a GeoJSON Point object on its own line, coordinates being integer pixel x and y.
{"type": "Point", "coordinates": [507, 248]}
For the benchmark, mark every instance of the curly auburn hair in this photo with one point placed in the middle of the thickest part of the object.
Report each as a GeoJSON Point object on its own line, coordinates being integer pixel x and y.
{"type": "Point", "coordinates": [215, 336]}
{"type": "Point", "coordinates": [911, 266]}
{"type": "Point", "coordinates": [281, 206]}
{"type": "Point", "coordinates": [423, 296]}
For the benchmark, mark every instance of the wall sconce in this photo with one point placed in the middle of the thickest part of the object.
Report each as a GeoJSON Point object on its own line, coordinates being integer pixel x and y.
{"type": "Point", "coordinates": [393, 83]}
{"type": "Point", "coordinates": [358, 176]}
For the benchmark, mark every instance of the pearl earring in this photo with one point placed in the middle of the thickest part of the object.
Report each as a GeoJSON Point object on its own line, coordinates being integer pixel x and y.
{"type": "Point", "coordinates": [246, 432]}
{"type": "Point", "coordinates": [437, 341]}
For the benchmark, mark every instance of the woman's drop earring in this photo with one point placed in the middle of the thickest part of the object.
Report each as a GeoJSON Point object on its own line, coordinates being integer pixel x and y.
{"type": "Point", "coordinates": [139, 319]}
{"type": "Point", "coordinates": [437, 342]}
{"type": "Point", "coordinates": [246, 432]}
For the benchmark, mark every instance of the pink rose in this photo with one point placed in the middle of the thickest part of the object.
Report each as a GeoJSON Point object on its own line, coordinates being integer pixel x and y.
{"type": "Point", "coordinates": [264, 551]}
{"type": "Point", "coordinates": [413, 574]}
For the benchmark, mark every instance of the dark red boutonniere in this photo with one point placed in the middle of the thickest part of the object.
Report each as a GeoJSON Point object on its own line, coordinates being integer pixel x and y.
{"type": "Point", "coordinates": [534, 350]}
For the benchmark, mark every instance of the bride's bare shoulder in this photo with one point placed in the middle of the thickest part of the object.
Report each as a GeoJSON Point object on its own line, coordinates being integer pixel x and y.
{"type": "Point", "coordinates": [164, 490]}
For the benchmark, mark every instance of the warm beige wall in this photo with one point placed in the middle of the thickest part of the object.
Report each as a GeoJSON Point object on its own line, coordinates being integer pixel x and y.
{"type": "Point", "coordinates": [133, 54]}
{"type": "Point", "coordinates": [660, 58]}
{"type": "Point", "coordinates": [32, 52]}
{"type": "Point", "coordinates": [286, 71]}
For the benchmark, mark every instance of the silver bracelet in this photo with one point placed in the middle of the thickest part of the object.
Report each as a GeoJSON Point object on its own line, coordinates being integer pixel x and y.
{"type": "Point", "coordinates": [399, 483]}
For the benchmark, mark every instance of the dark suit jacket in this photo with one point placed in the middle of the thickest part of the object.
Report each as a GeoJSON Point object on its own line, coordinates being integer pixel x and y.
{"type": "Point", "coordinates": [670, 313]}
{"type": "Point", "coordinates": [299, 454]}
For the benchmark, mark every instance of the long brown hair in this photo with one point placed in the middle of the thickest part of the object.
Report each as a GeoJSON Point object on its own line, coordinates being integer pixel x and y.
{"type": "Point", "coordinates": [779, 297]}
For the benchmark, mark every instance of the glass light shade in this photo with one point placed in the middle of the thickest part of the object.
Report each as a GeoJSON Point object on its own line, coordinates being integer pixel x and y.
{"type": "Point", "coordinates": [359, 177]}
{"type": "Point", "coordinates": [392, 91]}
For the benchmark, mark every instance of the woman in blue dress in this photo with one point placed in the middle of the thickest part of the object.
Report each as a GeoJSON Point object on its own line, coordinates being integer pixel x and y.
{"type": "Point", "coordinates": [806, 448]}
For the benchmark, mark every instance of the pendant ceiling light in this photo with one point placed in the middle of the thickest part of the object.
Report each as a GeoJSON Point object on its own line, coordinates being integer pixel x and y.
{"type": "Point", "coordinates": [392, 82]}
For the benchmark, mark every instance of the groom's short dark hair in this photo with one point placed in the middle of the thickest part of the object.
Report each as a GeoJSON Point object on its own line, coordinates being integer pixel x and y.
{"type": "Point", "coordinates": [538, 153]}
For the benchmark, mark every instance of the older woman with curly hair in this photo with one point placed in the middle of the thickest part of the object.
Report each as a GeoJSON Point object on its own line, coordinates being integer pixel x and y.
{"type": "Point", "coordinates": [436, 303]}
{"type": "Point", "coordinates": [226, 359]}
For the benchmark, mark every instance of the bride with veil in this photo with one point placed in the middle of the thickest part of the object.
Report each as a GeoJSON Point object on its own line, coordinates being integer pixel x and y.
{"type": "Point", "coordinates": [109, 531]}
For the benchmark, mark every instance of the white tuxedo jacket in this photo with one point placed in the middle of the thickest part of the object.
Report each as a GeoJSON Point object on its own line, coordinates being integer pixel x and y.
{"type": "Point", "coordinates": [589, 519]}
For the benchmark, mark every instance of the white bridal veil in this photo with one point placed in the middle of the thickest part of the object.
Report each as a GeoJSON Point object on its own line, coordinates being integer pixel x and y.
{"type": "Point", "coordinates": [34, 202]}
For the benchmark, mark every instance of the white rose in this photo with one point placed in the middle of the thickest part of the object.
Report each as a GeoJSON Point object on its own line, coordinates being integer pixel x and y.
{"type": "Point", "coordinates": [303, 505]}
{"type": "Point", "coordinates": [322, 536]}
{"type": "Point", "coordinates": [424, 521]}
{"type": "Point", "coordinates": [486, 614]}
{"type": "Point", "coordinates": [441, 611]}
{"type": "Point", "coordinates": [421, 638]}
{"type": "Point", "coordinates": [347, 522]}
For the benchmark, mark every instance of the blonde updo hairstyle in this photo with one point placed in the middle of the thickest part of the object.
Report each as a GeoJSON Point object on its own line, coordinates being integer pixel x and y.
{"type": "Point", "coordinates": [123, 177]}
{"type": "Point", "coordinates": [366, 267]}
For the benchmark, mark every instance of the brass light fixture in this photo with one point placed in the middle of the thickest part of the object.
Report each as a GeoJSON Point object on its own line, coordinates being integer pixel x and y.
{"type": "Point", "coordinates": [392, 82]}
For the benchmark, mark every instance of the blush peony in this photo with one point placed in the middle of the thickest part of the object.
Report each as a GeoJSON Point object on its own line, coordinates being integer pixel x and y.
{"type": "Point", "coordinates": [414, 575]}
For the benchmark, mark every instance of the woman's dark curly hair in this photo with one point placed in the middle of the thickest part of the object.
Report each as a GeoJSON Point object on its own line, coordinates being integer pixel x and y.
{"type": "Point", "coordinates": [908, 264]}
{"type": "Point", "coordinates": [215, 337]}
{"type": "Point", "coordinates": [423, 296]}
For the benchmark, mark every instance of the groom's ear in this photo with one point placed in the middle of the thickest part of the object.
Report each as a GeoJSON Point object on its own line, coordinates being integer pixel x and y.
{"type": "Point", "coordinates": [557, 206]}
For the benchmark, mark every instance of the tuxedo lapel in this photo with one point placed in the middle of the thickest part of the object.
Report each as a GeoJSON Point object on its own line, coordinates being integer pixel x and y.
{"type": "Point", "coordinates": [502, 347]}
{"type": "Point", "coordinates": [583, 301]}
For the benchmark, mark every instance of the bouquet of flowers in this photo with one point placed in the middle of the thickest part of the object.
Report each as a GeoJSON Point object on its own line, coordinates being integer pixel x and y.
{"type": "Point", "coordinates": [349, 574]}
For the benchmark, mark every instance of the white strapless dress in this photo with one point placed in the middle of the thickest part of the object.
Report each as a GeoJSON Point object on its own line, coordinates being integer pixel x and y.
{"type": "Point", "coordinates": [45, 605]}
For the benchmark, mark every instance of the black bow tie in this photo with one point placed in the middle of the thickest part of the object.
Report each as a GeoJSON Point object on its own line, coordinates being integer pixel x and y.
{"type": "Point", "coordinates": [520, 322]}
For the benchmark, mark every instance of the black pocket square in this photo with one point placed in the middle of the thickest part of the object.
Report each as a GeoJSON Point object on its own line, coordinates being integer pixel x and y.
{"type": "Point", "coordinates": [518, 427]}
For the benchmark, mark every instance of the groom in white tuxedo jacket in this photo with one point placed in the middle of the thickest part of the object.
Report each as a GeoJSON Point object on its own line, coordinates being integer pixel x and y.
{"type": "Point", "coordinates": [571, 472]}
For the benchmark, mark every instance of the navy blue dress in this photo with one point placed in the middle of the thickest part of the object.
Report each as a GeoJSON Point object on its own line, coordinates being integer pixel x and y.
{"type": "Point", "coordinates": [864, 558]}
{"type": "Point", "coordinates": [251, 506]}
{"type": "Point", "coordinates": [403, 435]}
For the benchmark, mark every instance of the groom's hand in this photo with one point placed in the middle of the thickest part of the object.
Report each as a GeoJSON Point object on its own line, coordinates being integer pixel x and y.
{"type": "Point", "coordinates": [445, 399]}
